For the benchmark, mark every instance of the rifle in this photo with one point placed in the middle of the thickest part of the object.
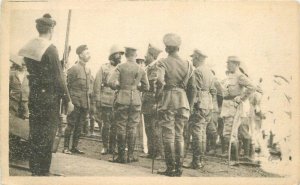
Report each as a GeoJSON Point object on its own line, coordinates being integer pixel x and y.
{"type": "Point", "coordinates": [62, 108]}
{"type": "Point", "coordinates": [67, 47]}
{"type": "Point", "coordinates": [156, 124]}
{"type": "Point", "coordinates": [66, 54]}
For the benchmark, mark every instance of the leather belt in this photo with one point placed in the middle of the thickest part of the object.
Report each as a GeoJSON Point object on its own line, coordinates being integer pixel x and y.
{"type": "Point", "coordinates": [128, 87]}
{"type": "Point", "coordinates": [173, 87]}
{"type": "Point", "coordinates": [229, 97]}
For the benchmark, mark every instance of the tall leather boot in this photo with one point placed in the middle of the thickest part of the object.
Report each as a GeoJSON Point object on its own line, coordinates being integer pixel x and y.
{"type": "Point", "coordinates": [112, 139]}
{"type": "Point", "coordinates": [105, 140]}
{"type": "Point", "coordinates": [195, 164]}
{"type": "Point", "coordinates": [213, 145]}
{"type": "Point", "coordinates": [131, 145]}
{"type": "Point", "coordinates": [247, 150]}
{"type": "Point", "coordinates": [202, 153]}
{"type": "Point", "coordinates": [246, 146]}
{"type": "Point", "coordinates": [121, 139]}
{"type": "Point", "coordinates": [187, 138]}
{"type": "Point", "coordinates": [208, 143]}
{"type": "Point", "coordinates": [67, 137]}
{"type": "Point", "coordinates": [179, 150]}
{"type": "Point", "coordinates": [226, 147]}
{"type": "Point", "coordinates": [234, 151]}
{"type": "Point", "coordinates": [169, 150]}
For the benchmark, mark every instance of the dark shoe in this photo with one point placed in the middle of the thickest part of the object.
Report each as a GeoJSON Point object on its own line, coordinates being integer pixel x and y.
{"type": "Point", "coordinates": [67, 151]}
{"type": "Point", "coordinates": [77, 151]}
{"type": "Point", "coordinates": [178, 172]}
{"type": "Point", "coordinates": [188, 165]}
{"type": "Point", "coordinates": [132, 159]}
{"type": "Point", "coordinates": [118, 160]}
{"type": "Point", "coordinates": [197, 165]}
{"type": "Point", "coordinates": [168, 172]}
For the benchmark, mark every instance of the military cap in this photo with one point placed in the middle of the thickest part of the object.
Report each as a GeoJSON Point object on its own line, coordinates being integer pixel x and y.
{"type": "Point", "coordinates": [18, 60]}
{"type": "Point", "coordinates": [154, 51]}
{"type": "Point", "coordinates": [171, 39]}
{"type": "Point", "coordinates": [233, 59]}
{"type": "Point", "coordinates": [116, 49]}
{"type": "Point", "coordinates": [198, 52]}
{"type": "Point", "coordinates": [80, 49]}
{"type": "Point", "coordinates": [130, 49]}
{"type": "Point", "coordinates": [46, 20]}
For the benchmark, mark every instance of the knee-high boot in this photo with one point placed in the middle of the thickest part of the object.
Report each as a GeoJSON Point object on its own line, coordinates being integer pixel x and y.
{"type": "Point", "coordinates": [121, 139]}
{"type": "Point", "coordinates": [179, 157]}
{"type": "Point", "coordinates": [169, 159]}
{"type": "Point", "coordinates": [131, 144]}
{"type": "Point", "coordinates": [112, 139]}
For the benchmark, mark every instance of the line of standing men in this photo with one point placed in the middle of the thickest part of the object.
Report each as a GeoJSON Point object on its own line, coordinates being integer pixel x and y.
{"type": "Point", "coordinates": [176, 91]}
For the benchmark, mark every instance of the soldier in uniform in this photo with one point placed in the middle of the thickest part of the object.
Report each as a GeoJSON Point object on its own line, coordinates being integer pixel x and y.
{"type": "Point", "coordinates": [202, 107]}
{"type": "Point", "coordinates": [78, 79]}
{"type": "Point", "coordinates": [174, 78]}
{"type": "Point", "coordinates": [212, 127]}
{"type": "Point", "coordinates": [18, 88]}
{"type": "Point", "coordinates": [140, 59]}
{"type": "Point", "coordinates": [47, 86]}
{"type": "Point", "coordinates": [237, 89]}
{"type": "Point", "coordinates": [149, 107]}
{"type": "Point", "coordinates": [129, 79]}
{"type": "Point", "coordinates": [105, 99]}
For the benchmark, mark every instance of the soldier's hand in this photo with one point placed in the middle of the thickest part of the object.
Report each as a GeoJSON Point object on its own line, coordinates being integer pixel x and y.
{"type": "Point", "coordinates": [70, 107]}
{"type": "Point", "coordinates": [237, 100]}
{"type": "Point", "coordinates": [213, 91]}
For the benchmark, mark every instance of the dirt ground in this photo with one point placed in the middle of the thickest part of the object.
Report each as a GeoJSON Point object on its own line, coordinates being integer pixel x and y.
{"type": "Point", "coordinates": [214, 166]}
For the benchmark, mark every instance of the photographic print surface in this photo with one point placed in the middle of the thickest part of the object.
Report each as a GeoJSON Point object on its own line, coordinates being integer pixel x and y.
{"type": "Point", "coordinates": [150, 89]}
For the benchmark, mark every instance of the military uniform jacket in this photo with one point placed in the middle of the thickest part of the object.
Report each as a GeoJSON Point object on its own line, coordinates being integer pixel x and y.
{"type": "Point", "coordinates": [148, 99]}
{"type": "Point", "coordinates": [204, 83]}
{"type": "Point", "coordinates": [172, 72]}
{"type": "Point", "coordinates": [102, 91]}
{"type": "Point", "coordinates": [125, 79]}
{"type": "Point", "coordinates": [78, 79]}
{"type": "Point", "coordinates": [236, 84]}
{"type": "Point", "coordinates": [46, 80]}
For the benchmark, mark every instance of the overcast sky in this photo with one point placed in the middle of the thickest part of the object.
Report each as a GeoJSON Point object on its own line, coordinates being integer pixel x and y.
{"type": "Point", "coordinates": [262, 37]}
